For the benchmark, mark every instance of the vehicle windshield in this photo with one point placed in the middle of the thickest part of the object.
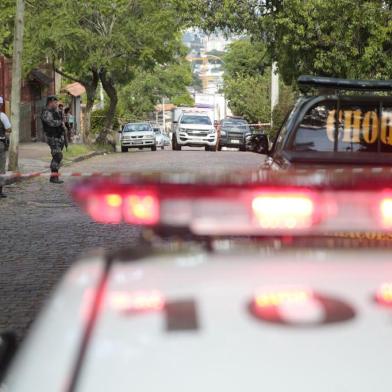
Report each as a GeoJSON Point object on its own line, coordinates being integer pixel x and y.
{"type": "Point", "coordinates": [354, 128]}
{"type": "Point", "coordinates": [236, 124]}
{"type": "Point", "coordinates": [198, 120]}
{"type": "Point", "coordinates": [139, 127]}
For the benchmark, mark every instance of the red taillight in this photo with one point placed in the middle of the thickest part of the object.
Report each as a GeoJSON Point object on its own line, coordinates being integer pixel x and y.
{"type": "Point", "coordinates": [386, 212]}
{"type": "Point", "coordinates": [277, 210]}
{"type": "Point", "coordinates": [384, 294]}
{"type": "Point", "coordinates": [142, 301]}
{"type": "Point", "coordinates": [138, 207]}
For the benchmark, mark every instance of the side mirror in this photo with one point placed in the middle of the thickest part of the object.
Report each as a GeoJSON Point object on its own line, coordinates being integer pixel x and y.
{"type": "Point", "coordinates": [8, 347]}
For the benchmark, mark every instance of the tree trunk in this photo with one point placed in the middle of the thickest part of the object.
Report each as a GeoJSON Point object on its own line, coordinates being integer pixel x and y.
{"type": "Point", "coordinates": [91, 90]}
{"type": "Point", "coordinates": [16, 85]}
{"type": "Point", "coordinates": [106, 136]}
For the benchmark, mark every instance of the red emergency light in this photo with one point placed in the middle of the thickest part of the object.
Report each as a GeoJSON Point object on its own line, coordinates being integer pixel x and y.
{"type": "Point", "coordinates": [236, 209]}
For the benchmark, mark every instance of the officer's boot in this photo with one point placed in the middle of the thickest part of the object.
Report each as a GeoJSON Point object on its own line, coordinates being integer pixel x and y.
{"type": "Point", "coordinates": [54, 179]}
{"type": "Point", "coordinates": [2, 195]}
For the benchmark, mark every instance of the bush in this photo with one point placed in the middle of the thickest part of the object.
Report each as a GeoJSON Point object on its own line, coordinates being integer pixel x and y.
{"type": "Point", "coordinates": [98, 121]}
{"type": "Point", "coordinates": [286, 102]}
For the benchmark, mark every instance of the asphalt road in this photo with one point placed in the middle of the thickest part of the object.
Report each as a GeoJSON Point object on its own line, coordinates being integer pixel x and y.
{"type": "Point", "coordinates": [42, 231]}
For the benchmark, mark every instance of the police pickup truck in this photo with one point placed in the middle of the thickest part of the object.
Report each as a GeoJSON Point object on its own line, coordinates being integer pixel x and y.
{"type": "Point", "coordinates": [241, 283]}
{"type": "Point", "coordinates": [349, 123]}
{"type": "Point", "coordinates": [195, 128]}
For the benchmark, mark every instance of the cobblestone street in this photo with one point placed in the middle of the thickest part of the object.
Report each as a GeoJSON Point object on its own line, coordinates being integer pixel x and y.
{"type": "Point", "coordinates": [42, 232]}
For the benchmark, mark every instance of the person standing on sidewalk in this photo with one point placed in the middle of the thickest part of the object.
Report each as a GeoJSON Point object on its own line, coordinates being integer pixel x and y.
{"type": "Point", "coordinates": [5, 129]}
{"type": "Point", "coordinates": [54, 130]}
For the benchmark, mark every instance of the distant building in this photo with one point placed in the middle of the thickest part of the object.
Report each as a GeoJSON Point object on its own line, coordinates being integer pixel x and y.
{"type": "Point", "coordinates": [205, 55]}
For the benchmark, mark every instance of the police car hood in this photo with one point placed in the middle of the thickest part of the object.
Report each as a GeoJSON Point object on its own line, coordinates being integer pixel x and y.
{"type": "Point", "coordinates": [212, 341]}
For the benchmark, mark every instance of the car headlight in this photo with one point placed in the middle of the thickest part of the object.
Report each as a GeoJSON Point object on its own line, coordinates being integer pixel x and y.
{"type": "Point", "coordinates": [211, 130]}
{"type": "Point", "coordinates": [223, 133]}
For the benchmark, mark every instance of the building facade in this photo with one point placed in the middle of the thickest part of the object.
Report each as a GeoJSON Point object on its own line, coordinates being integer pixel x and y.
{"type": "Point", "coordinates": [37, 85]}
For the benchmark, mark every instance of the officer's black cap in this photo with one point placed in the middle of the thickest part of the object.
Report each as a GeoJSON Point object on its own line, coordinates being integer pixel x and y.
{"type": "Point", "coordinates": [51, 98]}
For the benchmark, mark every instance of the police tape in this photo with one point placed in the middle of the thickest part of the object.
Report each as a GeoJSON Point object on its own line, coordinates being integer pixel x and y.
{"type": "Point", "coordinates": [124, 121]}
{"type": "Point", "coordinates": [7, 178]}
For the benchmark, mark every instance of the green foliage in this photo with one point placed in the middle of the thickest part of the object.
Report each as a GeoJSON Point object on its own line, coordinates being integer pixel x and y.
{"type": "Point", "coordinates": [76, 150]}
{"type": "Point", "coordinates": [286, 103]}
{"type": "Point", "coordinates": [139, 97]}
{"type": "Point", "coordinates": [106, 39]}
{"type": "Point", "coordinates": [249, 96]}
{"type": "Point", "coordinates": [247, 82]}
{"type": "Point", "coordinates": [245, 58]}
{"type": "Point", "coordinates": [246, 87]}
{"type": "Point", "coordinates": [7, 16]}
{"type": "Point", "coordinates": [342, 38]}
{"type": "Point", "coordinates": [98, 121]}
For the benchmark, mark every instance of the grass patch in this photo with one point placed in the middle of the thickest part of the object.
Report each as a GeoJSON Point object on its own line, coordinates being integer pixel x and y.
{"type": "Point", "coordinates": [77, 150]}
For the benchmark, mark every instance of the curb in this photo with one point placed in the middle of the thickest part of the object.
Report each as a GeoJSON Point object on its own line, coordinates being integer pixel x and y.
{"type": "Point", "coordinates": [15, 177]}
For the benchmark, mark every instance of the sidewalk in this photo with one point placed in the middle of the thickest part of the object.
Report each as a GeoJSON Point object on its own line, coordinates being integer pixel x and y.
{"type": "Point", "coordinates": [34, 159]}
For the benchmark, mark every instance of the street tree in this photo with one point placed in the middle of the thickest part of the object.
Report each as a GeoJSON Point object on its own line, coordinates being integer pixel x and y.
{"type": "Point", "coordinates": [246, 84]}
{"type": "Point", "coordinates": [7, 18]}
{"type": "Point", "coordinates": [342, 38]}
{"type": "Point", "coordinates": [138, 98]}
{"type": "Point", "coordinates": [106, 41]}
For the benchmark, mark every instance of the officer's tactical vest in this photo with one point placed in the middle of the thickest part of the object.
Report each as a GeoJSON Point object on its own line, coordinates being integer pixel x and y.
{"type": "Point", "coordinates": [52, 131]}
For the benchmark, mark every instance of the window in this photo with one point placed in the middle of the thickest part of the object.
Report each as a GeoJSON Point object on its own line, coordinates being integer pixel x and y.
{"type": "Point", "coordinates": [359, 128]}
{"type": "Point", "coordinates": [141, 127]}
{"type": "Point", "coordinates": [200, 120]}
{"type": "Point", "coordinates": [386, 129]}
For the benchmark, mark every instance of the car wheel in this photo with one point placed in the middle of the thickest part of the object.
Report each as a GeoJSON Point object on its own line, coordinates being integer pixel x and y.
{"type": "Point", "coordinates": [124, 149]}
{"type": "Point", "coordinates": [242, 148]}
{"type": "Point", "coordinates": [219, 148]}
{"type": "Point", "coordinates": [153, 148]}
{"type": "Point", "coordinates": [176, 146]}
{"type": "Point", "coordinates": [162, 148]}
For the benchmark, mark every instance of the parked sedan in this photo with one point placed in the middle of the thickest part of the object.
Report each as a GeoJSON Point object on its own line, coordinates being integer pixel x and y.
{"type": "Point", "coordinates": [161, 138]}
{"type": "Point", "coordinates": [138, 135]}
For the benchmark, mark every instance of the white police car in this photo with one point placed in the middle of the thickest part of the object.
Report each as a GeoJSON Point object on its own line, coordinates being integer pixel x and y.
{"type": "Point", "coordinates": [241, 285]}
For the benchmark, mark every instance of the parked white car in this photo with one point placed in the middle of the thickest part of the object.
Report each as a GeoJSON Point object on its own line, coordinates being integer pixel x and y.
{"type": "Point", "coordinates": [161, 138]}
{"type": "Point", "coordinates": [138, 135]}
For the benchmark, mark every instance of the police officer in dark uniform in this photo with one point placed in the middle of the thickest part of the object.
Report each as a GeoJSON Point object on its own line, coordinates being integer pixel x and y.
{"type": "Point", "coordinates": [54, 130]}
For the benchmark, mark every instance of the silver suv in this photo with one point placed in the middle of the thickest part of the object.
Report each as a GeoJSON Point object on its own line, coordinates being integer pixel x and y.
{"type": "Point", "coordinates": [138, 135]}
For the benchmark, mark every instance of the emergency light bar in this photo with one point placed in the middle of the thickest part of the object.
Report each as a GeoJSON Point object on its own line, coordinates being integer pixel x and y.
{"type": "Point", "coordinates": [243, 209]}
{"type": "Point", "coordinates": [344, 84]}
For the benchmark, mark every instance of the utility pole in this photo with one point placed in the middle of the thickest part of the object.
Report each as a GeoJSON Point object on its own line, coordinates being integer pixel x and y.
{"type": "Point", "coordinates": [274, 88]}
{"type": "Point", "coordinates": [16, 85]}
{"type": "Point", "coordinates": [163, 114]}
